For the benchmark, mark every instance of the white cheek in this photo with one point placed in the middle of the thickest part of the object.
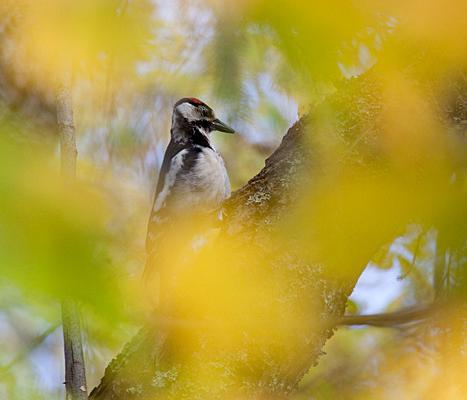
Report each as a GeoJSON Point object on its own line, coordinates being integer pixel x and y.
{"type": "Point", "coordinates": [188, 111]}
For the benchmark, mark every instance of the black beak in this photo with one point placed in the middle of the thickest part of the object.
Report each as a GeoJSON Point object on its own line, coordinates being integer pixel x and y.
{"type": "Point", "coordinates": [218, 125]}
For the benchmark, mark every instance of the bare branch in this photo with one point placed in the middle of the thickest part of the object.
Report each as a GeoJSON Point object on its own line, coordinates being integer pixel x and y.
{"type": "Point", "coordinates": [389, 320]}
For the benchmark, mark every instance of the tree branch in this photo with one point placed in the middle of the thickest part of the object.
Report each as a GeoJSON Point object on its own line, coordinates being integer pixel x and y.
{"type": "Point", "coordinates": [66, 128]}
{"type": "Point", "coordinates": [393, 319]}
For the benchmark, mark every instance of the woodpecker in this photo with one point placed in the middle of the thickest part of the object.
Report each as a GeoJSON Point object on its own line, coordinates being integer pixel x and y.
{"type": "Point", "coordinates": [193, 180]}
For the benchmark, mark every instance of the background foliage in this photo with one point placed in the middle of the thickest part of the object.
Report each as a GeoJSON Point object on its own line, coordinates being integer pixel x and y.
{"type": "Point", "coordinates": [401, 182]}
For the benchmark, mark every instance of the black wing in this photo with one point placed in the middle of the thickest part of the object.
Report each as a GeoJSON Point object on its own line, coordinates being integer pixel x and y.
{"type": "Point", "coordinates": [172, 150]}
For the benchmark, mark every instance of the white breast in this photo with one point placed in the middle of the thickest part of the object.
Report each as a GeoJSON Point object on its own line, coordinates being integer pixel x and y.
{"type": "Point", "coordinates": [207, 185]}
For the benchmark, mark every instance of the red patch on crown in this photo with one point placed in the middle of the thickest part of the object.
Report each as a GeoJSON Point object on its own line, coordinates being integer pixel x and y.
{"type": "Point", "coordinates": [195, 100]}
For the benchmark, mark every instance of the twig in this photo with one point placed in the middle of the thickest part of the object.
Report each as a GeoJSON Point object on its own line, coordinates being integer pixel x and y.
{"type": "Point", "coordinates": [439, 272]}
{"type": "Point", "coordinates": [414, 258]}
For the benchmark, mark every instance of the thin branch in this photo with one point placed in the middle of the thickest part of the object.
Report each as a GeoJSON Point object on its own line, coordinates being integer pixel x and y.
{"type": "Point", "coordinates": [414, 258]}
{"type": "Point", "coordinates": [75, 372]}
{"type": "Point", "coordinates": [440, 267]}
{"type": "Point", "coordinates": [394, 319]}
{"type": "Point", "coordinates": [66, 129]}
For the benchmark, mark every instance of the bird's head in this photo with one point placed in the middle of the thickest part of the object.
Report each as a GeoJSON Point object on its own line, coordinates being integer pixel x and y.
{"type": "Point", "coordinates": [191, 115]}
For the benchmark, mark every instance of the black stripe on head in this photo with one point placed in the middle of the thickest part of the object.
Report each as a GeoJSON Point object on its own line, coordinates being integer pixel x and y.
{"type": "Point", "coordinates": [198, 138]}
{"type": "Point", "coordinates": [203, 124]}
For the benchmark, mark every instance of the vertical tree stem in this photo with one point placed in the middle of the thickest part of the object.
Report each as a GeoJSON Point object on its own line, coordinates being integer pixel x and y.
{"type": "Point", "coordinates": [75, 372]}
{"type": "Point", "coordinates": [66, 129]}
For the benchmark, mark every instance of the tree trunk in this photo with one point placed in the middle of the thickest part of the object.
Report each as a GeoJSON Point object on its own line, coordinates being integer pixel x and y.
{"type": "Point", "coordinates": [75, 373]}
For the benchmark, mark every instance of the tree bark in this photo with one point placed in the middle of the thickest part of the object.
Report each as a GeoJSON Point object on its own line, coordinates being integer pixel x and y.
{"type": "Point", "coordinates": [75, 373]}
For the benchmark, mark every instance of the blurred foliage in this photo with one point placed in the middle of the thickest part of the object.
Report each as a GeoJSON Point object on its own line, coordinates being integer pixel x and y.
{"type": "Point", "coordinates": [391, 188]}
